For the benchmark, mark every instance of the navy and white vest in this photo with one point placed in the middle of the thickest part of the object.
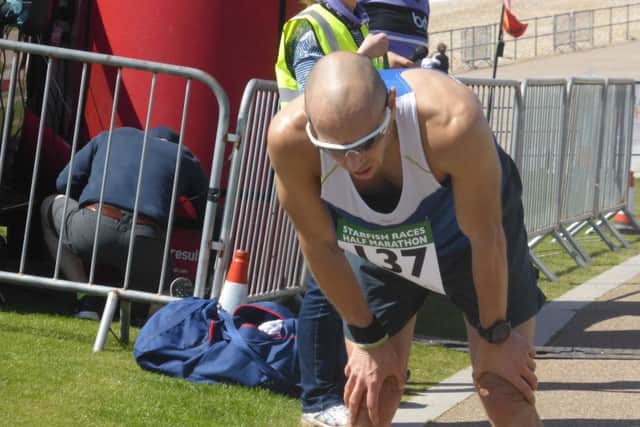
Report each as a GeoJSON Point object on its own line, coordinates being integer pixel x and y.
{"type": "Point", "coordinates": [404, 240]}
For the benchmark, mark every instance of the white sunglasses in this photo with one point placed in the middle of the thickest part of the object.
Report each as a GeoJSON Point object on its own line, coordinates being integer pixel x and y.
{"type": "Point", "coordinates": [362, 144]}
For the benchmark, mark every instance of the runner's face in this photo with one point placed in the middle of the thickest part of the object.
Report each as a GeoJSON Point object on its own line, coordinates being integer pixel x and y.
{"type": "Point", "coordinates": [363, 156]}
{"type": "Point", "coordinates": [363, 165]}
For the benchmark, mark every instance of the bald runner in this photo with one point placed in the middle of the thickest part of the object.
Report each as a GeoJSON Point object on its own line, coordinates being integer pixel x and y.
{"type": "Point", "coordinates": [396, 188]}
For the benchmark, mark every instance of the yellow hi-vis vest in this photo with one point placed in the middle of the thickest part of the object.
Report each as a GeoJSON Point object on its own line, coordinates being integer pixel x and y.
{"type": "Point", "coordinates": [332, 35]}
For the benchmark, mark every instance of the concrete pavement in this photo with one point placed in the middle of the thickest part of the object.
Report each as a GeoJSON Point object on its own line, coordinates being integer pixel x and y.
{"type": "Point", "coordinates": [588, 365]}
{"type": "Point", "coordinates": [616, 61]}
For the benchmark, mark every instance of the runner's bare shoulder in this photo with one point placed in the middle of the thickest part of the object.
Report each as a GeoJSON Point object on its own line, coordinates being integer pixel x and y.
{"type": "Point", "coordinates": [287, 141]}
{"type": "Point", "coordinates": [447, 109]}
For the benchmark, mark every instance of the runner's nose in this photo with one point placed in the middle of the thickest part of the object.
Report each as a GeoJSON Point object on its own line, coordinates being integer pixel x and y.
{"type": "Point", "coordinates": [354, 160]}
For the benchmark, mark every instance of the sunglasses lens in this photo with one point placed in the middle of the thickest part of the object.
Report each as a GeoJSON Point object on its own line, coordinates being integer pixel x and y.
{"type": "Point", "coordinates": [368, 143]}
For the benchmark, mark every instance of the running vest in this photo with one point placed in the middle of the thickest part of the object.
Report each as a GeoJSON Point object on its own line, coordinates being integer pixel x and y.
{"type": "Point", "coordinates": [404, 240]}
{"type": "Point", "coordinates": [332, 35]}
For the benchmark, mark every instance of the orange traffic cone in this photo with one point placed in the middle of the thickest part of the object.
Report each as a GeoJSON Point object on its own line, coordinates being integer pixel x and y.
{"type": "Point", "coordinates": [621, 221]}
{"type": "Point", "coordinates": [234, 290]}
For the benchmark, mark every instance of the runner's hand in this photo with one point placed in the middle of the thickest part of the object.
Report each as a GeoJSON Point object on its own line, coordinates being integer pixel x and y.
{"type": "Point", "coordinates": [374, 45]}
{"type": "Point", "coordinates": [512, 360]}
{"type": "Point", "coordinates": [366, 371]}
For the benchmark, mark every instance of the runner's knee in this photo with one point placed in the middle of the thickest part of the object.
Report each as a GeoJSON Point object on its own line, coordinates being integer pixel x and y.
{"type": "Point", "coordinates": [506, 406]}
{"type": "Point", "coordinates": [388, 402]}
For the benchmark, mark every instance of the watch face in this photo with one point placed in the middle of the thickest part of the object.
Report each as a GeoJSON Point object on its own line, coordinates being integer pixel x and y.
{"type": "Point", "coordinates": [500, 332]}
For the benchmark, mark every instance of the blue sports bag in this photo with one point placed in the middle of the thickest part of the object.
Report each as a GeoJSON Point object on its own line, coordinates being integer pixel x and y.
{"type": "Point", "coordinates": [191, 338]}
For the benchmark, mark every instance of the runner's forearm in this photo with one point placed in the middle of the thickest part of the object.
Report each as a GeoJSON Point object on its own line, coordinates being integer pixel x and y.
{"type": "Point", "coordinates": [333, 273]}
{"type": "Point", "coordinates": [489, 266]}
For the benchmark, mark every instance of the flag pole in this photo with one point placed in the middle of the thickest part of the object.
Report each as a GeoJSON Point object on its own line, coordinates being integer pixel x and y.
{"type": "Point", "coordinates": [500, 45]}
{"type": "Point", "coordinates": [499, 53]}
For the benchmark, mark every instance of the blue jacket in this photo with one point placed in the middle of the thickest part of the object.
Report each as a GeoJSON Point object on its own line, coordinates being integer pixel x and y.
{"type": "Point", "coordinates": [122, 175]}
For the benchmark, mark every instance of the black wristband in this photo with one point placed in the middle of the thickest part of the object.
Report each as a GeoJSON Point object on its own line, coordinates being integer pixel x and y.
{"type": "Point", "coordinates": [370, 336]}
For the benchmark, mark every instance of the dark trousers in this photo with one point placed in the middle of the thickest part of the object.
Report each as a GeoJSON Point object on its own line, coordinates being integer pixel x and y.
{"type": "Point", "coordinates": [321, 350]}
{"type": "Point", "coordinates": [113, 244]}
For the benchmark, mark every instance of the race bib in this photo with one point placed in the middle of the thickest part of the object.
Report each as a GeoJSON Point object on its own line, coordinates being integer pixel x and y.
{"type": "Point", "coordinates": [407, 250]}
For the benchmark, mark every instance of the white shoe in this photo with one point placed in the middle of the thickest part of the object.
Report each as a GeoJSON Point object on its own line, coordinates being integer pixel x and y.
{"type": "Point", "coordinates": [87, 315]}
{"type": "Point", "coordinates": [336, 416]}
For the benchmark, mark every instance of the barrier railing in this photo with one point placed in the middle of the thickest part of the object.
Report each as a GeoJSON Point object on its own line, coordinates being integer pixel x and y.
{"type": "Point", "coordinates": [502, 105]}
{"type": "Point", "coordinates": [541, 160]}
{"type": "Point", "coordinates": [586, 108]}
{"type": "Point", "coordinates": [571, 143]}
{"type": "Point", "coordinates": [253, 219]}
{"type": "Point", "coordinates": [474, 47]}
{"type": "Point", "coordinates": [542, 150]}
{"type": "Point", "coordinates": [121, 67]}
{"type": "Point", "coordinates": [583, 145]}
{"type": "Point", "coordinates": [615, 159]}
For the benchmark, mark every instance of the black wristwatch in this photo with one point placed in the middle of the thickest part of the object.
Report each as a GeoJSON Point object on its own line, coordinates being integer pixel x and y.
{"type": "Point", "coordinates": [497, 333]}
{"type": "Point", "coordinates": [370, 336]}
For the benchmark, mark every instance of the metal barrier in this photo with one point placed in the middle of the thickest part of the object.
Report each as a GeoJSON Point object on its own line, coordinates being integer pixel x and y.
{"type": "Point", "coordinates": [572, 144]}
{"type": "Point", "coordinates": [542, 150]}
{"type": "Point", "coordinates": [562, 30]}
{"type": "Point", "coordinates": [120, 66]}
{"type": "Point", "coordinates": [586, 106]}
{"type": "Point", "coordinates": [635, 150]}
{"type": "Point", "coordinates": [586, 99]}
{"type": "Point", "coordinates": [253, 219]}
{"type": "Point", "coordinates": [477, 44]}
{"type": "Point", "coordinates": [502, 105]}
{"type": "Point", "coordinates": [471, 47]}
{"type": "Point", "coordinates": [573, 30]}
{"type": "Point", "coordinates": [541, 165]}
{"type": "Point", "coordinates": [530, 127]}
{"type": "Point", "coordinates": [615, 158]}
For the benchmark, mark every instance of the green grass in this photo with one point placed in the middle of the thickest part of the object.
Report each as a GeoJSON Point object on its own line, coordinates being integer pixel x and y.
{"type": "Point", "coordinates": [49, 375]}
{"type": "Point", "coordinates": [431, 364]}
{"type": "Point", "coordinates": [569, 274]}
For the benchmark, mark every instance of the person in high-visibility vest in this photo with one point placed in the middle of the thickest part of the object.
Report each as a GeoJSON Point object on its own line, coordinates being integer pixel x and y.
{"type": "Point", "coordinates": [321, 28]}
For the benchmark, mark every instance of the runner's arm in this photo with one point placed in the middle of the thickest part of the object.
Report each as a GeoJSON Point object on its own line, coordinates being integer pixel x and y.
{"type": "Point", "coordinates": [293, 159]}
{"type": "Point", "coordinates": [472, 162]}
{"type": "Point", "coordinates": [296, 164]}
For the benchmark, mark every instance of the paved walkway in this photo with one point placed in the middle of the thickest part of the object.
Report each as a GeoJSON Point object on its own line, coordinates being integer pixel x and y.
{"type": "Point", "coordinates": [590, 377]}
{"type": "Point", "coordinates": [617, 61]}
{"type": "Point", "coordinates": [588, 364]}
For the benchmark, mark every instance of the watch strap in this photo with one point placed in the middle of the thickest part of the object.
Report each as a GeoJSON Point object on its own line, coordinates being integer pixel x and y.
{"type": "Point", "coordinates": [488, 333]}
{"type": "Point", "coordinates": [369, 337]}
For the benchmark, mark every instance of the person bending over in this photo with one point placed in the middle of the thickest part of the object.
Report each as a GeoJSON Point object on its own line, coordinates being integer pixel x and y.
{"type": "Point", "coordinates": [395, 185]}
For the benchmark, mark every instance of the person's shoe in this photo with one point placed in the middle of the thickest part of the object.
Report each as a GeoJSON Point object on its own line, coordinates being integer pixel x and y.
{"type": "Point", "coordinates": [89, 308]}
{"type": "Point", "coordinates": [336, 416]}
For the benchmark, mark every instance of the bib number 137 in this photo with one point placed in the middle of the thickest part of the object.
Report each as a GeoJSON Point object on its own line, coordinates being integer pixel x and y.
{"type": "Point", "coordinates": [399, 261]}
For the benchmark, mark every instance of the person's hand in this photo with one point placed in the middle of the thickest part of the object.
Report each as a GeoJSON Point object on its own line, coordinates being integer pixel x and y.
{"type": "Point", "coordinates": [512, 360]}
{"type": "Point", "coordinates": [399, 61]}
{"type": "Point", "coordinates": [366, 371]}
{"type": "Point", "coordinates": [374, 45]}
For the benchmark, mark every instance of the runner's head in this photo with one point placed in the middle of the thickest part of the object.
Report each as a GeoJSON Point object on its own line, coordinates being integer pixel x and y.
{"type": "Point", "coordinates": [348, 110]}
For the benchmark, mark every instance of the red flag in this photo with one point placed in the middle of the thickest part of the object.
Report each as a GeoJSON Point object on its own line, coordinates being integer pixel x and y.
{"type": "Point", "coordinates": [510, 23]}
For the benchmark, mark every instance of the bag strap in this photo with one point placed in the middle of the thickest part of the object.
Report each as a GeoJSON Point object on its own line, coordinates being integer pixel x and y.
{"type": "Point", "coordinates": [248, 351]}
